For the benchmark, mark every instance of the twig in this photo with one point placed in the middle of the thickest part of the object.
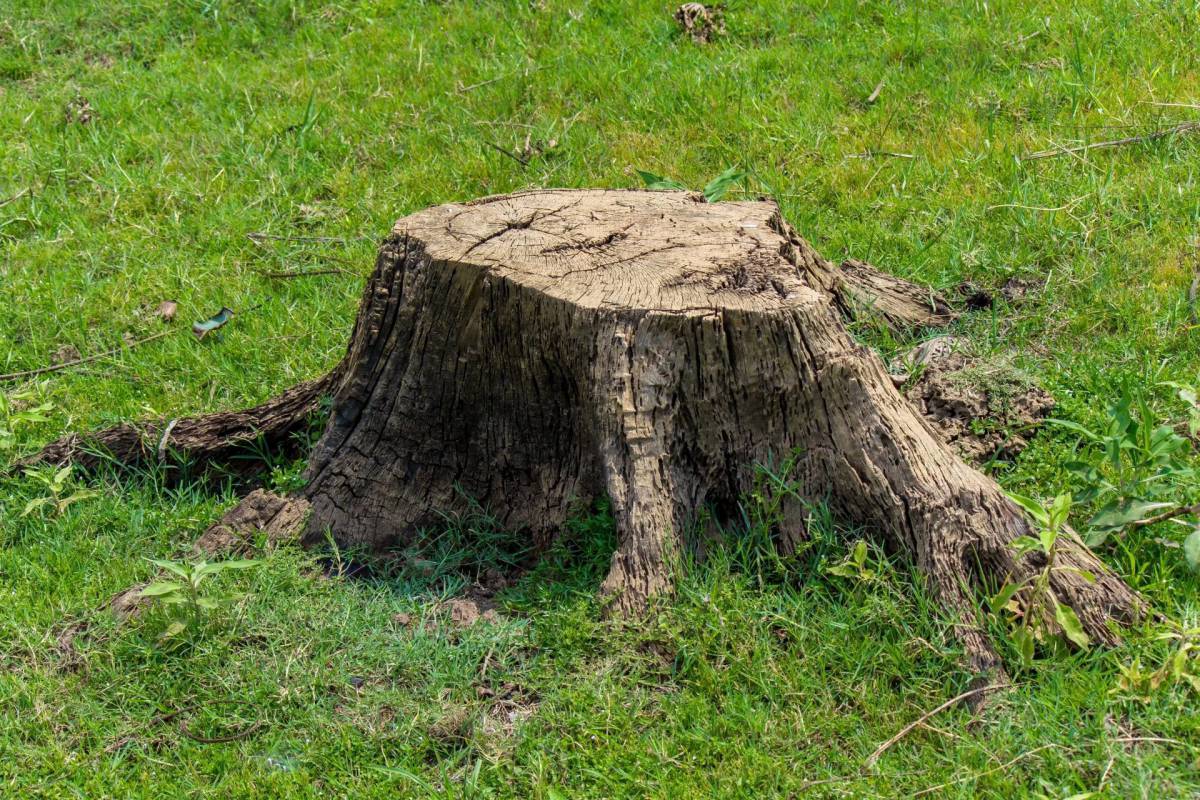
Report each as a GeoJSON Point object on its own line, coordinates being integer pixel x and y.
{"type": "Point", "coordinates": [1066, 207]}
{"type": "Point", "coordinates": [524, 162]}
{"type": "Point", "coordinates": [169, 716]}
{"type": "Point", "coordinates": [464, 89]}
{"type": "Point", "coordinates": [301, 273]}
{"type": "Point", "coordinates": [16, 196]}
{"type": "Point", "coordinates": [1181, 511]}
{"type": "Point", "coordinates": [1104, 777]}
{"type": "Point", "coordinates": [257, 237]}
{"type": "Point", "coordinates": [29, 373]}
{"type": "Point", "coordinates": [233, 737]}
{"type": "Point", "coordinates": [873, 153]}
{"type": "Point", "coordinates": [1183, 127]}
{"type": "Point", "coordinates": [1176, 105]}
{"type": "Point", "coordinates": [883, 748]}
{"type": "Point", "coordinates": [1020, 40]}
{"type": "Point", "coordinates": [979, 775]}
{"type": "Point", "coordinates": [874, 95]}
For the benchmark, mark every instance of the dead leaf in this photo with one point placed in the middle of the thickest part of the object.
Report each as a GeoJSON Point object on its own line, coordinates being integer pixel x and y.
{"type": "Point", "coordinates": [701, 22]}
{"type": "Point", "coordinates": [79, 111]}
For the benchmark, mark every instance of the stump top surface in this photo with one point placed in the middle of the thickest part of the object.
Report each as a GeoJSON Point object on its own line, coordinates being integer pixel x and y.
{"type": "Point", "coordinates": [660, 251]}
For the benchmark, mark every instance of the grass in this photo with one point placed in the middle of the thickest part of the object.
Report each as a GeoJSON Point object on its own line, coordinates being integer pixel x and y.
{"type": "Point", "coordinates": [211, 120]}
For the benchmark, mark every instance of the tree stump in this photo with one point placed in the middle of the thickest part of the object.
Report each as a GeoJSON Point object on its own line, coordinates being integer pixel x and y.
{"type": "Point", "coordinates": [537, 349]}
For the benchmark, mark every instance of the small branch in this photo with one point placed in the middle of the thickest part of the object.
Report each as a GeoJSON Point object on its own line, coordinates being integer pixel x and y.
{"type": "Point", "coordinates": [1181, 511]}
{"type": "Point", "coordinates": [907, 729]}
{"type": "Point", "coordinates": [871, 98]}
{"type": "Point", "coordinates": [1177, 105]}
{"type": "Point", "coordinates": [301, 273]}
{"type": "Point", "coordinates": [16, 196]}
{"type": "Point", "coordinates": [873, 153]}
{"type": "Point", "coordinates": [233, 737]}
{"type": "Point", "coordinates": [464, 89]}
{"type": "Point", "coordinates": [12, 376]}
{"type": "Point", "coordinates": [527, 72]}
{"type": "Point", "coordinates": [524, 162]}
{"type": "Point", "coordinates": [1183, 127]}
{"type": "Point", "coordinates": [1066, 207]}
{"type": "Point", "coordinates": [258, 238]}
{"type": "Point", "coordinates": [1020, 40]}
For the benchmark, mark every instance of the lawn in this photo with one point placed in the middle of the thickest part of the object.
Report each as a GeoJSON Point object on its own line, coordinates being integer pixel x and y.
{"type": "Point", "coordinates": [142, 140]}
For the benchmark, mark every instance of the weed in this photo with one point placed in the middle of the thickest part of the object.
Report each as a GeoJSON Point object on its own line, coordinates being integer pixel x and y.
{"type": "Point", "coordinates": [194, 608]}
{"type": "Point", "coordinates": [1138, 467]}
{"type": "Point", "coordinates": [60, 488]}
{"type": "Point", "coordinates": [1036, 614]}
{"type": "Point", "coordinates": [18, 410]}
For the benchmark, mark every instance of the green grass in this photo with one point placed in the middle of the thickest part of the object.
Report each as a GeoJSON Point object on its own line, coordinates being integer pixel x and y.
{"type": "Point", "coordinates": [215, 119]}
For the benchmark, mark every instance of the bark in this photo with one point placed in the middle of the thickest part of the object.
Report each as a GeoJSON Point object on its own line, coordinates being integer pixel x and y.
{"type": "Point", "coordinates": [213, 438]}
{"type": "Point", "coordinates": [536, 349]}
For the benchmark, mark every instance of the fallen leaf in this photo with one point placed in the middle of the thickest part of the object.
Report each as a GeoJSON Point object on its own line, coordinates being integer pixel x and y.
{"type": "Point", "coordinates": [202, 329]}
{"type": "Point", "coordinates": [701, 22]}
{"type": "Point", "coordinates": [79, 112]}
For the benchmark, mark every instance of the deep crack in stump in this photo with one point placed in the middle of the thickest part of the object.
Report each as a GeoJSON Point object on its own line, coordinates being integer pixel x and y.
{"type": "Point", "coordinates": [537, 349]}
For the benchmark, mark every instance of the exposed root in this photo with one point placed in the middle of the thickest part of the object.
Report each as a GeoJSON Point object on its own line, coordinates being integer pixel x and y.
{"type": "Point", "coordinates": [901, 305]}
{"type": "Point", "coordinates": [211, 438]}
{"type": "Point", "coordinates": [280, 519]}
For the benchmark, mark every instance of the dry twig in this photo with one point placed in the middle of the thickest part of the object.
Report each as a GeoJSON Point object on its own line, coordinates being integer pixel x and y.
{"type": "Point", "coordinates": [305, 273]}
{"type": "Point", "coordinates": [258, 238]}
{"type": "Point", "coordinates": [30, 373]}
{"type": "Point", "coordinates": [16, 196]}
{"type": "Point", "coordinates": [1183, 127]}
{"type": "Point", "coordinates": [1181, 511]}
{"type": "Point", "coordinates": [883, 748]}
{"type": "Point", "coordinates": [873, 153]}
{"type": "Point", "coordinates": [524, 162]}
{"type": "Point", "coordinates": [871, 98]}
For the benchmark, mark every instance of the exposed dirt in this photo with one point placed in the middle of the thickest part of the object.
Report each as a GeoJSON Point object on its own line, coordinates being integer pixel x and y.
{"type": "Point", "coordinates": [1013, 292]}
{"type": "Point", "coordinates": [984, 411]}
{"type": "Point", "coordinates": [464, 612]}
{"type": "Point", "coordinates": [454, 727]}
{"type": "Point", "coordinates": [511, 706]}
{"type": "Point", "coordinates": [65, 354]}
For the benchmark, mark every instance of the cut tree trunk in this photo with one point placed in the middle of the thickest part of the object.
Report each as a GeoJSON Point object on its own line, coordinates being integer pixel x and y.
{"type": "Point", "coordinates": [535, 350]}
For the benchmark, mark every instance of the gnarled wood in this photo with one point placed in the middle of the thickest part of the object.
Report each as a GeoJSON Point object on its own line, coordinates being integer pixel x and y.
{"type": "Point", "coordinates": [200, 440]}
{"type": "Point", "coordinates": [541, 348]}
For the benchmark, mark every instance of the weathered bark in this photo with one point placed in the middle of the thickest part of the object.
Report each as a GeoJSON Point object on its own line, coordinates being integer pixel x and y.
{"type": "Point", "coordinates": [536, 349]}
{"type": "Point", "coordinates": [213, 438]}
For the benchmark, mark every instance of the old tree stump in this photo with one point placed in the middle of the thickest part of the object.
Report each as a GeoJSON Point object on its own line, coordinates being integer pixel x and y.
{"type": "Point", "coordinates": [546, 347]}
